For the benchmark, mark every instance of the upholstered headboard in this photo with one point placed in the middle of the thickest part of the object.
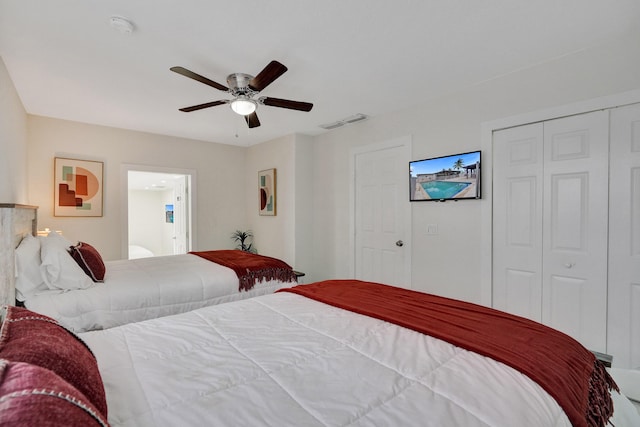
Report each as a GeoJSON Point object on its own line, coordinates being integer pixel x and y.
{"type": "Point", "coordinates": [15, 222]}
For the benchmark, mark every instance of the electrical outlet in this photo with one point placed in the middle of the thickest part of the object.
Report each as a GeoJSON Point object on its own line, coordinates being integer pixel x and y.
{"type": "Point", "coordinates": [432, 229]}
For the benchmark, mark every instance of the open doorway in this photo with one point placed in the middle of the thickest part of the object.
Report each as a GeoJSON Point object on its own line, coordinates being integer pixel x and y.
{"type": "Point", "coordinates": [159, 212]}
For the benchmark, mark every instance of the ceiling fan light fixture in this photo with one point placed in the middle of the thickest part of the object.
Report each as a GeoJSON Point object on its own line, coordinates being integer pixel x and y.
{"type": "Point", "coordinates": [243, 106]}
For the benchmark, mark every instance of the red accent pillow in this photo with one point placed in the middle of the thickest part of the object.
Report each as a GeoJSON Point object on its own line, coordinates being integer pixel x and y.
{"type": "Point", "coordinates": [39, 340]}
{"type": "Point", "coordinates": [89, 259]}
{"type": "Point", "coordinates": [34, 396]}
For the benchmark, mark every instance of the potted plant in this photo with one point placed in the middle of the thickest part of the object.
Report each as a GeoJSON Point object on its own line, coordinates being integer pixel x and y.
{"type": "Point", "coordinates": [244, 240]}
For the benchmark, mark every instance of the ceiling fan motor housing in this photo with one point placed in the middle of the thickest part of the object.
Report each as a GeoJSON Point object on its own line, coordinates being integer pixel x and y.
{"type": "Point", "coordinates": [239, 84]}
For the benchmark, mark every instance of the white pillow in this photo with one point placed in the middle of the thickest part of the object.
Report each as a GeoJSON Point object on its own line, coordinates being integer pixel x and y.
{"type": "Point", "coordinates": [28, 277]}
{"type": "Point", "coordinates": [58, 269]}
{"type": "Point", "coordinates": [57, 239]}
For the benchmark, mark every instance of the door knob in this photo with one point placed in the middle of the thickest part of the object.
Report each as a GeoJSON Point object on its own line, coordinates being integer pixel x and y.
{"type": "Point", "coordinates": [399, 243]}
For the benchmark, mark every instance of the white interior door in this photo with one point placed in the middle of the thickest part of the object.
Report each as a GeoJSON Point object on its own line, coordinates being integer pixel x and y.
{"type": "Point", "coordinates": [517, 220]}
{"type": "Point", "coordinates": [382, 249]}
{"type": "Point", "coordinates": [574, 283]}
{"type": "Point", "coordinates": [623, 335]}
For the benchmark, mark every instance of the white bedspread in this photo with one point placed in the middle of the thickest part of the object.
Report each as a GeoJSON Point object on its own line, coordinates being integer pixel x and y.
{"type": "Point", "coordinates": [285, 360]}
{"type": "Point", "coordinates": [145, 288]}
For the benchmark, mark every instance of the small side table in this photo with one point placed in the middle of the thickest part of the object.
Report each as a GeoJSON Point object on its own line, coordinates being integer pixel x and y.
{"type": "Point", "coordinates": [299, 274]}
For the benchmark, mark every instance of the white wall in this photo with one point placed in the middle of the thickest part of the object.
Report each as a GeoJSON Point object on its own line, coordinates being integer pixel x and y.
{"type": "Point", "coordinates": [147, 221]}
{"type": "Point", "coordinates": [304, 214]}
{"type": "Point", "coordinates": [273, 235]}
{"type": "Point", "coordinates": [289, 234]}
{"type": "Point", "coordinates": [167, 197]}
{"type": "Point", "coordinates": [450, 263]}
{"type": "Point", "coordinates": [219, 172]}
{"type": "Point", "coordinates": [13, 143]}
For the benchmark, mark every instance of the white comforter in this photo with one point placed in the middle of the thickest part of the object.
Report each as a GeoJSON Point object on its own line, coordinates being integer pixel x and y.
{"type": "Point", "coordinates": [285, 360]}
{"type": "Point", "coordinates": [145, 288]}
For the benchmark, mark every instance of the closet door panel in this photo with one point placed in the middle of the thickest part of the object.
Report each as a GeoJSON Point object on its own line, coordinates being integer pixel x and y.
{"type": "Point", "coordinates": [563, 289]}
{"type": "Point", "coordinates": [624, 238]}
{"type": "Point", "coordinates": [569, 212]}
{"type": "Point", "coordinates": [575, 212]}
{"type": "Point", "coordinates": [517, 220]}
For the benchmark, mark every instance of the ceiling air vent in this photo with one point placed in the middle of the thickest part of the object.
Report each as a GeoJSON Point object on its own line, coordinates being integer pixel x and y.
{"type": "Point", "coordinates": [356, 118]}
{"type": "Point", "coordinates": [330, 126]}
{"type": "Point", "coordinates": [345, 121]}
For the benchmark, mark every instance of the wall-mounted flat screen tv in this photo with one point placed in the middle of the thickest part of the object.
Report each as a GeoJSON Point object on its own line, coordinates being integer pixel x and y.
{"type": "Point", "coordinates": [453, 177]}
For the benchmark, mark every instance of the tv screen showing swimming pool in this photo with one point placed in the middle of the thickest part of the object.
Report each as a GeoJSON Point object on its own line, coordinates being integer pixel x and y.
{"type": "Point", "coordinates": [444, 178]}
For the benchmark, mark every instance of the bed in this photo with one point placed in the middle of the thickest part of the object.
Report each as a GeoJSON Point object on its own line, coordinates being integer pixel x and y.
{"type": "Point", "coordinates": [72, 284]}
{"type": "Point", "coordinates": [140, 289]}
{"type": "Point", "coordinates": [313, 355]}
{"type": "Point", "coordinates": [137, 251]}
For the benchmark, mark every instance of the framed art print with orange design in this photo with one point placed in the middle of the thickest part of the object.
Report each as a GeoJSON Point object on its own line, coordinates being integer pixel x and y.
{"type": "Point", "coordinates": [78, 187]}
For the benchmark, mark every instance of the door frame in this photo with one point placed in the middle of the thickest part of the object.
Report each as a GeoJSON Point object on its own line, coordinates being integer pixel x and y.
{"type": "Point", "coordinates": [487, 129]}
{"type": "Point", "coordinates": [124, 201]}
{"type": "Point", "coordinates": [403, 142]}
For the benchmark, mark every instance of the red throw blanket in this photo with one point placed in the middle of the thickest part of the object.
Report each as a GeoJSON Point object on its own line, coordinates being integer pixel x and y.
{"type": "Point", "coordinates": [250, 268]}
{"type": "Point", "coordinates": [559, 364]}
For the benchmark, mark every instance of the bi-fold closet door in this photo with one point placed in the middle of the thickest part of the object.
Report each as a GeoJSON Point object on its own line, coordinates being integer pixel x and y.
{"type": "Point", "coordinates": [623, 337]}
{"type": "Point", "coordinates": [566, 227]}
{"type": "Point", "coordinates": [550, 224]}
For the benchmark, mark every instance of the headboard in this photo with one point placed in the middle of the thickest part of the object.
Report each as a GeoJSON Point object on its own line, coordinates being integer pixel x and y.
{"type": "Point", "coordinates": [15, 222]}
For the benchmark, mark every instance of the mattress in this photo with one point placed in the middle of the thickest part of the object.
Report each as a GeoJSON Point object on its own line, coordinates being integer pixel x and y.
{"type": "Point", "coordinates": [286, 360]}
{"type": "Point", "coordinates": [145, 288]}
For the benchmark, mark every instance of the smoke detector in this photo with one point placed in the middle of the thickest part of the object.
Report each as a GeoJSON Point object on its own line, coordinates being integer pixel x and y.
{"type": "Point", "coordinates": [122, 25]}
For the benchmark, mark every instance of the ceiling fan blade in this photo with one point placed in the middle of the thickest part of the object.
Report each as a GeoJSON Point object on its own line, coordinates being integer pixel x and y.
{"type": "Point", "coordinates": [272, 71]}
{"type": "Point", "coordinates": [285, 103]}
{"type": "Point", "coordinates": [201, 106]}
{"type": "Point", "coordinates": [252, 120]}
{"type": "Point", "coordinates": [198, 77]}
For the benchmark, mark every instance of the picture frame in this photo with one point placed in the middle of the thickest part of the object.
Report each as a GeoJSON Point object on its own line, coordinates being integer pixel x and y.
{"type": "Point", "coordinates": [78, 187]}
{"type": "Point", "coordinates": [267, 192]}
{"type": "Point", "coordinates": [168, 214]}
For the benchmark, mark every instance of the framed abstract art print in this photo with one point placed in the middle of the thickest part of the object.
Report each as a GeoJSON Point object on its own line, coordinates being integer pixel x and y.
{"type": "Point", "coordinates": [267, 192]}
{"type": "Point", "coordinates": [77, 187]}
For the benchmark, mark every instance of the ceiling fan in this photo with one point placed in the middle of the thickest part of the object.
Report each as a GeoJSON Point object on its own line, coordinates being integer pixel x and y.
{"type": "Point", "coordinates": [244, 88]}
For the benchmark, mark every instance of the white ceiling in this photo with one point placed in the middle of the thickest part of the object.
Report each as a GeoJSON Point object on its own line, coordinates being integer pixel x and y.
{"type": "Point", "coordinates": [152, 181]}
{"type": "Point", "coordinates": [344, 56]}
